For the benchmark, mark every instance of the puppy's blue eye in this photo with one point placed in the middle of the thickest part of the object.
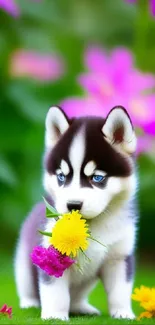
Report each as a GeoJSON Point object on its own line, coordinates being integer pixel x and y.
{"type": "Point", "coordinates": [98, 178]}
{"type": "Point", "coordinates": [61, 177]}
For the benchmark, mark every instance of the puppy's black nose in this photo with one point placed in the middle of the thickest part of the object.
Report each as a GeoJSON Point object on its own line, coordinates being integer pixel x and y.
{"type": "Point", "coordinates": [74, 205]}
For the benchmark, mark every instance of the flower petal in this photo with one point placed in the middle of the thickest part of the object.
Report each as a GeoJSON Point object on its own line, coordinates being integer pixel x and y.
{"type": "Point", "coordinates": [3, 309]}
{"type": "Point", "coordinates": [150, 128]}
{"type": "Point", "coordinates": [76, 107]}
{"type": "Point", "coordinates": [96, 59]}
{"type": "Point", "coordinates": [38, 66]}
{"type": "Point", "coordinates": [144, 145]}
{"type": "Point", "coordinates": [10, 7]}
{"type": "Point", "coordinates": [50, 260]}
{"type": "Point", "coordinates": [145, 314]}
{"type": "Point", "coordinates": [152, 7]}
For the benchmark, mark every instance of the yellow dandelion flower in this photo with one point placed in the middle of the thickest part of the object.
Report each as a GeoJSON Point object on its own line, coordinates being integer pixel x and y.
{"type": "Point", "coordinates": [142, 294]}
{"type": "Point", "coordinates": [145, 314]}
{"type": "Point", "coordinates": [70, 234]}
{"type": "Point", "coordinates": [149, 306]}
{"type": "Point", "coordinates": [153, 293]}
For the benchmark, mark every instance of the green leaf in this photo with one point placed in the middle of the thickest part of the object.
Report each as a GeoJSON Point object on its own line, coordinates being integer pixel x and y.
{"type": "Point", "coordinates": [50, 208]}
{"type": "Point", "coordinates": [49, 214]}
{"type": "Point", "coordinates": [45, 233]}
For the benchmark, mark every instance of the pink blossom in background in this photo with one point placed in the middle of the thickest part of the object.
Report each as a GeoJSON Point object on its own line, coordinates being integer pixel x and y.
{"type": "Point", "coordinates": [78, 106]}
{"type": "Point", "coordinates": [152, 5]}
{"type": "Point", "coordinates": [42, 67]}
{"type": "Point", "coordinates": [50, 260]}
{"type": "Point", "coordinates": [6, 311]}
{"type": "Point", "coordinates": [150, 128]}
{"type": "Point", "coordinates": [110, 80]}
{"type": "Point", "coordinates": [144, 144]}
{"type": "Point", "coordinates": [10, 6]}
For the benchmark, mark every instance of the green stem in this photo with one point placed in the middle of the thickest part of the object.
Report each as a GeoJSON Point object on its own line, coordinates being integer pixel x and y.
{"type": "Point", "coordinates": [45, 233]}
{"type": "Point", "coordinates": [97, 241]}
{"type": "Point", "coordinates": [85, 255]}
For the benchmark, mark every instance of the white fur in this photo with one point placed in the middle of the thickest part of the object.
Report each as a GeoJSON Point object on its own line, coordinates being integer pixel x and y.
{"type": "Point", "coordinates": [116, 118]}
{"type": "Point", "coordinates": [55, 120]}
{"type": "Point", "coordinates": [119, 291]}
{"type": "Point", "coordinates": [24, 279]}
{"type": "Point", "coordinates": [76, 156]}
{"type": "Point", "coordinates": [55, 298]}
{"type": "Point", "coordinates": [64, 167]}
{"type": "Point", "coordinates": [89, 168]}
{"type": "Point", "coordinates": [100, 172]}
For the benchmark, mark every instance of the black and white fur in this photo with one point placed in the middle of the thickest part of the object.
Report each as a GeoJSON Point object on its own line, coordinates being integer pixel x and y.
{"type": "Point", "coordinates": [76, 150]}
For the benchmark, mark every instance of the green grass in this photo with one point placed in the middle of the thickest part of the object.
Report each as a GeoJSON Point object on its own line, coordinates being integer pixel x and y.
{"type": "Point", "coordinates": [97, 298]}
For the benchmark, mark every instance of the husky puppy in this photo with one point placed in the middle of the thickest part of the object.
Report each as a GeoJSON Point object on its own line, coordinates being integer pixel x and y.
{"type": "Point", "coordinates": [89, 166]}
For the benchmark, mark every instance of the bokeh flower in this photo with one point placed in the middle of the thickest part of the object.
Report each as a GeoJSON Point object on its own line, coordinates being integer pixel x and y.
{"type": "Point", "coordinates": [10, 6]}
{"type": "Point", "coordinates": [6, 311]}
{"type": "Point", "coordinates": [50, 260]}
{"type": "Point", "coordinates": [145, 144]}
{"type": "Point", "coordinates": [42, 67]}
{"type": "Point", "coordinates": [70, 234]}
{"type": "Point", "coordinates": [110, 80]}
{"type": "Point", "coordinates": [145, 314]}
{"type": "Point", "coordinates": [152, 5]}
{"type": "Point", "coordinates": [146, 297]}
{"type": "Point", "coordinates": [142, 294]}
{"type": "Point", "coordinates": [149, 305]}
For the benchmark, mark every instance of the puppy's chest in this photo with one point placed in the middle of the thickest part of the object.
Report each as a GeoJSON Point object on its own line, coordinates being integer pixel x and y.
{"type": "Point", "coordinates": [88, 264]}
{"type": "Point", "coordinates": [107, 233]}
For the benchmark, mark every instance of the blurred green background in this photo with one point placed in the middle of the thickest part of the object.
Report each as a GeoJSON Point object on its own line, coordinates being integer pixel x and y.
{"type": "Point", "coordinates": [63, 27]}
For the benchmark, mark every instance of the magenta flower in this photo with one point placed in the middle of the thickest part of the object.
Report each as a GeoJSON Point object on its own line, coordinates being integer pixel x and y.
{"type": "Point", "coordinates": [6, 311]}
{"type": "Point", "coordinates": [50, 260]}
{"type": "Point", "coordinates": [10, 6]}
{"type": "Point", "coordinates": [152, 5]}
{"type": "Point", "coordinates": [37, 66]}
{"type": "Point", "coordinates": [78, 106]}
{"type": "Point", "coordinates": [150, 128]}
{"type": "Point", "coordinates": [111, 80]}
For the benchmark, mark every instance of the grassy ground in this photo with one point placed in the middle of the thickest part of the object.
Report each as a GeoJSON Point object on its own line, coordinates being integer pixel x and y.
{"type": "Point", "coordinates": [97, 298]}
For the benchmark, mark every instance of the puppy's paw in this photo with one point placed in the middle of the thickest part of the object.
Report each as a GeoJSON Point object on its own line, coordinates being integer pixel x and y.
{"type": "Point", "coordinates": [48, 314]}
{"type": "Point", "coordinates": [122, 313]}
{"type": "Point", "coordinates": [85, 309]}
{"type": "Point", "coordinates": [29, 302]}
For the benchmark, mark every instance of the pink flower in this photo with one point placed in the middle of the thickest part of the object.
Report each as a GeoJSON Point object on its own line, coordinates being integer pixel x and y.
{"type": "Point", "coordinates": [10, 6]}
{"type": "Point", "coordinates": [152, 5]}
{"type": "Point", "coordinates": [5, 310]}
{"type": "Point", "coordinates": [37, 66]}
{"type": "Point", "coordinates": [50, 260]}
{"type": "Point", "coordinates": [150, 128]}
{"type": "Point", "coordinates": [144, 145]}
{"type": "Point", "coordinates": [111, 80]}
{"type": "Point", "coordinates": [78, 106]}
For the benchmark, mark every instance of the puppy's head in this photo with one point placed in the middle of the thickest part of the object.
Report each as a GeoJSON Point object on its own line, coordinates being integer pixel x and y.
{"type": "Point", "coordinates": [89, 161]}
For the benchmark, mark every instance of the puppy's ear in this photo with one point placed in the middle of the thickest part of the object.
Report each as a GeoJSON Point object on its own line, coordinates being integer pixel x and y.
{"type": "Point", "coordinates": [56, 124]}
{"type": "Point", "coordinates": [118, 130]}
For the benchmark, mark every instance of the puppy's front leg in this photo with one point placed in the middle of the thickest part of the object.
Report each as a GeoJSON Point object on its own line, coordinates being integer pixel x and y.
{"type": "Point", "coordinates": [117, 276]}
{"type": "Point", "coordinates": [54, 296]}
